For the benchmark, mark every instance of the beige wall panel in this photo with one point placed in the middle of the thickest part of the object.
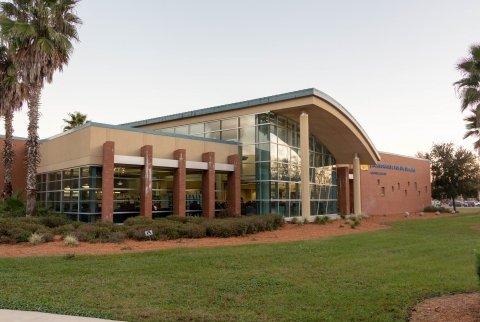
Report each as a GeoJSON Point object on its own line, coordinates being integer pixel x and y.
{"type": "Point", "coordinates": [84, 147]}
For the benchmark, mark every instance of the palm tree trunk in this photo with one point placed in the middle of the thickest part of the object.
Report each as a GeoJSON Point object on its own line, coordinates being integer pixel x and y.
{"type": "Point", "coordinates": [8, 154]}
{"type": "Point", "coordinates": [32, 149]}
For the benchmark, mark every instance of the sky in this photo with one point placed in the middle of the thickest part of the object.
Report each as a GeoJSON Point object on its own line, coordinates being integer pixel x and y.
{"type": "Point", "coordinates": [391, 64]}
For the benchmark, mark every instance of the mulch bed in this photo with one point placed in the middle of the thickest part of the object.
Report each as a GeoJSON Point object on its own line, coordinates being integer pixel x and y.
{"type": "Point", "coordinates": [457, 307]}
{"type": "Point", "coordinates": [290, 232]}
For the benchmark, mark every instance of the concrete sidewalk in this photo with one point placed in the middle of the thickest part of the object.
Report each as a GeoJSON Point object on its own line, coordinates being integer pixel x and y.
{"type": "Point", "coordinates": [27, 316]}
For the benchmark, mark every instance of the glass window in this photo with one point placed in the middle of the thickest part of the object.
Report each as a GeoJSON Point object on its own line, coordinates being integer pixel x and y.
{"type": "Point", "coordinates": [247, 135]}
{"type": "Point", "coordinates": [212, 126]}
{"type": "Point", "coordinates": [230, 123]}
{"type": "Point", "coordinates": [196, 128]}
{"type": "Point", "coordinates": [247, 120]}
{"type": "Point", "coordinates": [182, 130]}
{"type": "Point", "coordinates": [213, 135]}
{"type": "Point", "coordinates": [230, 135]}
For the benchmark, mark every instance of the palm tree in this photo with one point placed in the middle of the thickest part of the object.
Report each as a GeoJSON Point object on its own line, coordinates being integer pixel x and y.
{"type": "Point", "coordinates": [41, 34]}
{"type": "Point", "coordinates": [76, 119]}
{"type": "Point", "coordinates": [14, 92]}
{"type": "Point", "coordinates": [472, 123]}
{"type": "Point", "coordinates": [469, 85]}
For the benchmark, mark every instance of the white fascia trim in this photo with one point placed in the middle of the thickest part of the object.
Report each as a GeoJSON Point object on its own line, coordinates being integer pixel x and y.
{"type": "Point", "coordinates": [130, 160]}
{"type": "Point", "coordinates": [166, 163]}
{"type": "Point", "coordinates": [224, 167]}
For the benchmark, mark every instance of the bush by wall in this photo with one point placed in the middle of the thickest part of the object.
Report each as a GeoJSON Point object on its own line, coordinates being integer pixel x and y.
{"type": "Point", "coordinates": [435, 209]}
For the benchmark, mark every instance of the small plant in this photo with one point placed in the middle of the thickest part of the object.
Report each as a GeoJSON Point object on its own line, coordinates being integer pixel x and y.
{"type": "Point", "coordinates": [353, 221]}
{"type": "Point", "coordinates": [298, 221]}
{"type": "Point", "coordinates": [36, 239]}
{"type": "Point", "coordinates": [70, 240]}
{"type": "Point", "coordinates": [343, 216]}
{"type": "Point", "coordinates": [322, 220]}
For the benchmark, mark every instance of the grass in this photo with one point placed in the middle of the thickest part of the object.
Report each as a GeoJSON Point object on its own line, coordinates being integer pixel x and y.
{"type": "Point", "coordinates": [375, 276]}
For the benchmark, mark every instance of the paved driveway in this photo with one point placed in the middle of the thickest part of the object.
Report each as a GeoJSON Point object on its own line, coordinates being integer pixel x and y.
{"type": "Point", "coordinates": [24, 316]}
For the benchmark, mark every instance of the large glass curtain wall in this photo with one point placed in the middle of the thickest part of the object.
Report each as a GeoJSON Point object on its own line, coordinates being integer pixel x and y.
{"type": "Point", "coordinates": [76, 192]}
{"type": "Point", "coordinates": [271, 163]}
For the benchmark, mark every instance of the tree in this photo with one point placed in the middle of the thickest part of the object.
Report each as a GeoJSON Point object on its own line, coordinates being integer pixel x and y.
{"type": "Point", "coordinates": [14, 92]}
{"type": "Point", "coordinates": [41, 33]}
{"type": "Point", "coordinates": [472, 123]}
{"type": "Point", "coordinates": [455, 171]}
{"type": "Point", "coordinates": [76, 119]}
{"type": "Point", "coordinates": [469, 86]}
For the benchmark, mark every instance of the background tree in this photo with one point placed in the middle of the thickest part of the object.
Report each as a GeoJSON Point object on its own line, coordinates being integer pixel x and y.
{"type": "Point", "coordinates": [76, 119]}
{"type": "Point", "coordinates": [455, 171]}
{"type": "Point", "coordinates": [41, 33]}
{"type": "Point", "coordinates": [472, 122]}
{"type": "Point", "coordinates": [13, 93]}
{"type": "Point", "coordinates": [469, 87]}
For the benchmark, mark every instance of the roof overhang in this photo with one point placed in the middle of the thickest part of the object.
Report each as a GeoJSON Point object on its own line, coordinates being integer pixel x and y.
{"type": "Point", "coordinates": [336, 128]}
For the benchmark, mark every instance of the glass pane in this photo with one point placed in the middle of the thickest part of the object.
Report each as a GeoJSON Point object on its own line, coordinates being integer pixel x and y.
{"type": "Point", "coordinates": [263, 132]}
{"type": "Point", "coordinates": [230, 123]}
{"type": "Point", "coordinates": [247, 120]}
{"type": "Point", "coordinates": [247, 135]}
{"type": "Point", "coordinates": [196, 128]}
{"type": "Point", "coordinates": [212, 126]}
{"type": "Point", "coordinates": [229, 135]}
{"type": "Point", "coordinates": [213, 135]}
{"type": "Point", "coordinates": [248, 153]}
{"type": "Point", "coordinates": [181, 130]}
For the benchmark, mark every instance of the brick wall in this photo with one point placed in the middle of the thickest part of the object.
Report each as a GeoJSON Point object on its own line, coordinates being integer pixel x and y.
{"type": "Point", "coordinates": [396, 185]}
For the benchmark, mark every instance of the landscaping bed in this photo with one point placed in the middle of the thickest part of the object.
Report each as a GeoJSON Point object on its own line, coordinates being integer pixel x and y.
{"type": "Point", "coordinates": [37, 230]}
{"type": "Point", "coordinates": [286, 233]}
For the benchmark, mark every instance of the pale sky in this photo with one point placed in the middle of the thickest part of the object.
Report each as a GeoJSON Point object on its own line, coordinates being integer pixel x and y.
{"type": "Point", "coordinates": [390, 63]}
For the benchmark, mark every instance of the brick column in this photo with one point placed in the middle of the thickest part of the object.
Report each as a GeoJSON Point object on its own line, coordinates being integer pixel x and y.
{"type": "Point", "coordinates": [233, 184]}
{"type": "Point", "coordinates": [107, 180]}
{"type": "Point", "coordinates": [146, 188]}
{"type": "Point", "coordinates": [208, 185]}
{"type": "Point", "coordinates": [179, 176]}
{"type": "Point", "coordinates": [343, 190]}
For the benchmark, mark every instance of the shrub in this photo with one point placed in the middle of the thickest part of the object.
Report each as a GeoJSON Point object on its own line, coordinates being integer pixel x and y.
{"type": "Point", "coordinates": [16, 230]}
{"type": "Point", "coordinates": [70, 240]}
{"type": "Point", "coordinates": [435, 209]}
{"type": "Point", "coordinates": [137, 220]}
{"type": "Point", "coordinates": [191, 230]}
{"type": "Point", "coordinates": [239, 226]}
{"type": "Point", "coordinates": [64, 230]}
{"type": "Point", "coordinates": [322, 220]}
{"type": "Point", "coordinates": [99, 232]}
{"type": "Point", "coordinates": [12, 207]}
{"type": "Point", "coordinates": [36, 239]}
{"type": "Point", "coordinates": [53, 220]}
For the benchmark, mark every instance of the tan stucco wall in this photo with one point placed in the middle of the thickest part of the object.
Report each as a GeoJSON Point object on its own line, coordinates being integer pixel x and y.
{"type": "Point", "coordinates": [84, 146]}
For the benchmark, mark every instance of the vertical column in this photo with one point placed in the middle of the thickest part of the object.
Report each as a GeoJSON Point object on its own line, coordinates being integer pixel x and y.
{"type": "Point", "coordinates": [357, 197]}
{"type": "Point", "coordinates": [343, 189]}
{"type": "Point", "coordinates": [107, 180]}
{"type": "Point", "coordinates": [305, 165]}
{"type": "Point", "coordinates": [179, 176]}
{"type": "Point", "coordinates": [146, 188]}
{"type": "Point", "coordinates": [208, 185]}
{"type": "Point", "coordinates": [233, 186]}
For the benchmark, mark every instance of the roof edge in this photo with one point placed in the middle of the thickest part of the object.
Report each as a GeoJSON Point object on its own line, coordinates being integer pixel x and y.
{"type": "Point", "coordinates": [132, 129]}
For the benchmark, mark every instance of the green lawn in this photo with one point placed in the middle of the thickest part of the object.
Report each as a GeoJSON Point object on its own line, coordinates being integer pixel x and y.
{"type": "Point", "coordinates": [363, 277]}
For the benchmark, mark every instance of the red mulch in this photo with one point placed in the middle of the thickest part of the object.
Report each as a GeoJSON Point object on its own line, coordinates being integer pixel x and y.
{"type": "Point", "coordinates": [290, 232]}
{"type": "Point", "coordinates": [458, 307]}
